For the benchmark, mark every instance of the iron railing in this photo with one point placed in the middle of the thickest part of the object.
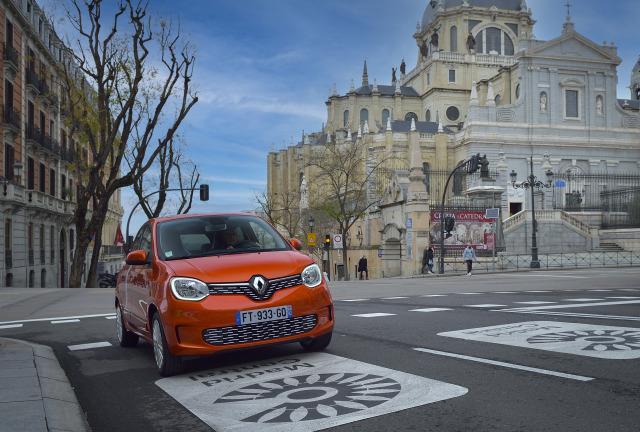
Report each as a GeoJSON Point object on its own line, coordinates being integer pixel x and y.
{"type": "Point", "coordinates": [11, 117]}
{"type": "Point", "coordinates": [11, 55]}
{"type": "Point", "coordinates": [32, 79]}
{"type": "Point", "coordinates": [589, 192]}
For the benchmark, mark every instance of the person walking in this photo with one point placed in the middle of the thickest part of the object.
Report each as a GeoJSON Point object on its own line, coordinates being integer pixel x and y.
{"type": "Point", "coordinates": [469, 256]}
{"type": "Point", "coordinates": [362, 268]}
{"type": "Point", "coordinates": [427, 261]}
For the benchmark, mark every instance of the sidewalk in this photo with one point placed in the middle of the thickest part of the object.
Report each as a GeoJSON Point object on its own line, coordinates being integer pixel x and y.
{"type": "Point", "coordinates": [35, 394]}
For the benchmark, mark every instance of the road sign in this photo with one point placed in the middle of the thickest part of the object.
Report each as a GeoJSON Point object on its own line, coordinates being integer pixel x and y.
{"type": "Point", "coordinates": [312, 239]}
{"type": "Point", "coordinates": [492, 213]}
{"type": "Point", "coordinates": [337, 241]}
{"type": "Point", "coordinates": [560, 183]}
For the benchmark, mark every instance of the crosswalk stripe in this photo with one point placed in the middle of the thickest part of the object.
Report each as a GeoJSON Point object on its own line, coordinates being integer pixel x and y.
{"type": "Point", "coordinates": [10, 326]}
{"type": "Point", "coordinates": [89, 346]}
{"type": "Point", "coordinates": [426, 310]}
{"type": "Point", "coordinates": [373, 315]}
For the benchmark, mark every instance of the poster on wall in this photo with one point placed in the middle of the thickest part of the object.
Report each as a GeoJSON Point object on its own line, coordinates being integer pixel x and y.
{"type": "Point", "coordinates": [472, 227]}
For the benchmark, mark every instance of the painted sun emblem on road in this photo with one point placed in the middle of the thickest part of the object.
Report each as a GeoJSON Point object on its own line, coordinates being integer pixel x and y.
{"type": "Point", "coordinates": [597, 340]}
{"type": "Point", "coordinates": [314, 397]}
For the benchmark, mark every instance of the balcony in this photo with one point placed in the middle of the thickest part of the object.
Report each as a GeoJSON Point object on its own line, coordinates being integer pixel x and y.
{"type": "Point", "coordinates": [8, 259]}
{"type": "Point", "coordinates": [39, 141]}
{"type": "Point", "coordinates": [33, 83]}
{"type": "Point", "coordinates": [11, 60]}
{"type": "Point", "coordinates": [43, 202]}
{"type": "Point", "coordinates": [11, 119]}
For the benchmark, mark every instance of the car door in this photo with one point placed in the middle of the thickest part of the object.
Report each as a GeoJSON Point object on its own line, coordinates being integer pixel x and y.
{"type": "Point", "coordinates": [138, 292]}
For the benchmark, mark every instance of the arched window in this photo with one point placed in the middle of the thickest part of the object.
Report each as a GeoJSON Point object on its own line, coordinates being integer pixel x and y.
{"type": "Point", "coordinates": [345, 119]}
{"type": "Point", "coordinates": [428, 116]}
{"type": "Point", "coordinates": [43, 278]}
{"type": "Point", "coordinates": [410, 116]}
{"type": "Point", "coordinates": [498, 99]}
{"type": "Point", "coordinates": [385, 116]}
{"type": "Point", "coordinates": [453, 34]}
{"type": "Point", "coordinates": [518, 92]}
{"type": "Point", "coordinates": [364, 116]}
{"type": "Point", "coordinates": [492, 39]}
{"type": "Point", "coordinates": [426, 168]}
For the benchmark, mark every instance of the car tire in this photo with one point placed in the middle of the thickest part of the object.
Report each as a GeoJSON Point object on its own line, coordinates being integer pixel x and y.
{"type": "Point", "coordinates": [125, 337]}
{"type": "Point", "coordinates": [167, 363]}
{"type": "Point", "coordinates": [317, 344]}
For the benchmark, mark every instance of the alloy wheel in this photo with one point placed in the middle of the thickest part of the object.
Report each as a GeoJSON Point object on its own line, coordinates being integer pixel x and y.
{"type": "Point", "coordinates": [119, 324]}
{"type": "Point", "coordinates": [158, 346]}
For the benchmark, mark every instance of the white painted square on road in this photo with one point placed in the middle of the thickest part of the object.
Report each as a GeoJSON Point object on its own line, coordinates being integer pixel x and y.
{"type": "Point", "coordinates": [308, 392]}
{"type": "Point", "coordinates": [590, 340]}
{"type": "Point", "coordinates": [373, 315]}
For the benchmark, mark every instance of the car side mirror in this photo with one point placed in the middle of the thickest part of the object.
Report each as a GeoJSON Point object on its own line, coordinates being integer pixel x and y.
{"type": "Point", "coordinates": [137, 257]}
{"type": "Point", "coordinates": [297, 245]}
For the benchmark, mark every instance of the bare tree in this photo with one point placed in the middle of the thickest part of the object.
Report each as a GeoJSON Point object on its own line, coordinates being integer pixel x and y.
{"type": "Point", "coordinates": [343, 176]}
{"type": "Point", "coordinates": [116, 103]}
{"type": "Point", "coordinates": [172, 170]}
{"type": "Point", "coordinates": [282, 211]}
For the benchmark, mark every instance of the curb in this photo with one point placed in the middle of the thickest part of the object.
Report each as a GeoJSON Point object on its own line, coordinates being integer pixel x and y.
{"type": "Point", "coordinates": [35, 390]}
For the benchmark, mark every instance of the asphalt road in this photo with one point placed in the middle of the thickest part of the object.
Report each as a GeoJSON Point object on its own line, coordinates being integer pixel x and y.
{"type": "Point", "coordinates": [562, 354]}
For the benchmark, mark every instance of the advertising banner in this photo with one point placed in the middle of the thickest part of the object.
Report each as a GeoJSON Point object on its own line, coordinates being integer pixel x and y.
{"type": "Point", "coordinates": [471, 228]}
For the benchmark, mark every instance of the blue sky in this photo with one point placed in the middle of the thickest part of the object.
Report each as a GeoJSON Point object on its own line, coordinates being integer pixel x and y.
{"type": "Point", "coordinates": [265, 67]}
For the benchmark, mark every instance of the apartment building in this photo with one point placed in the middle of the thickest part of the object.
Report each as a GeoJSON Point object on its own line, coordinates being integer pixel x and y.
{"type": "Point", "coordinates": [37, 185]}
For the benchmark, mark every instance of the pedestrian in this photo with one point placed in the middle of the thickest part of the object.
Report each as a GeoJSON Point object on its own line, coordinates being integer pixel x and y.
{"type": "Point", "coordinates": [427, 261]}
{"type": "Point", "coordinates": [362, 268]}
{"type": "Point", "coordinates": [469, 256]}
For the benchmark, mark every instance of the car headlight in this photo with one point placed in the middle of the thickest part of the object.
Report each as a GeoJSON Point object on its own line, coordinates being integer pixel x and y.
{"type": "Point", "coordinates": [312, 276]}
{"type": "Point", "coordinates": [189, 289]}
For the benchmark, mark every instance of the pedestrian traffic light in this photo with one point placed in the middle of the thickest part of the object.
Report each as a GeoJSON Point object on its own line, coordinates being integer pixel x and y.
{"type": "Point", "coordinates": [449, 225]}
{"type": "Point", "coordinates": [204, 192]}
{"type": "Point", "coordinates": [327, 242]}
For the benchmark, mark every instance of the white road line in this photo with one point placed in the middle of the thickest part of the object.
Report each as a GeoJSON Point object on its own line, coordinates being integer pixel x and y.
{"type": "Point", "coordinates": [583, 299]}
{"type": "Point", "coordinates": [579, 305]}
{"type": "Point", "coordinates": [624, 298]}
{"type": "Point", "coordinates": [373, 315]}
{"type": "Point", "coordinates": [600, 290]}
{"type": "Point", "coordinates": [427, 310]}
{"type": "Point", "coordinates": [470, 293]}
{"type": "Point", "coordinates": [574, 314]}
{"type": "Point", "coordinates": [89, 346]}
{"type": "Point", "coordinates": [555, 276]}
{"type": "Point", "coordinates": [435, 295]}
{"type": "Point", "coordinates": [10, 326]}
{"type": "Point", "coordinates": [394, 298]}
{"type": "Point", "coordinates": [65, 321]}
{"type": "Point", "coordinates": [354, 300]}
{"type": "Point", "coordinates": [485, 306]}
{"type": "Point", "coordinates": [58, 318]}
{"type": "Point", "coordinates": [536, 291]}
{"type": "Point", "coordinates": [629, 289]}
{"type": "Point", "coordinates": [111, 317]}
{"type": "Point", "coordinates": [504, 292]}
{"type": "Point", "coordinates": [507, 365]}
{"type": "Point", "coordinates": [536, 302]}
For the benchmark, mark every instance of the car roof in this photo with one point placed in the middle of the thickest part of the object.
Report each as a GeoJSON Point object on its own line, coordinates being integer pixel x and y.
{"type": "Point", "coordinates": [189, 216]}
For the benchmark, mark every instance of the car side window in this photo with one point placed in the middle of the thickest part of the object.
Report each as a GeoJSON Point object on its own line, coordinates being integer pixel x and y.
{"type": "Point", "coordinates": [145, 240]}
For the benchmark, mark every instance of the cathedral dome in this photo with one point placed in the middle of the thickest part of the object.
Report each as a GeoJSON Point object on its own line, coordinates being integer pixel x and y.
{"type": "Point", "coordinates": [432, 7]}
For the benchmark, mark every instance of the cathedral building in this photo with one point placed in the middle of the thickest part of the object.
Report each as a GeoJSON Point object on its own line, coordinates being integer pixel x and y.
{"type": "Point", "coordinates": [483, 84]}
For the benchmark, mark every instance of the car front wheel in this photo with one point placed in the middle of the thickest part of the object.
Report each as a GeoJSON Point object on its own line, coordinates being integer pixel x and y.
{"type": "Point", "coordinates": [167, 363]}
{"type": "Point", "coordinates": [317, 344]}
{"type": "Point", "coordinates": [125, 337]}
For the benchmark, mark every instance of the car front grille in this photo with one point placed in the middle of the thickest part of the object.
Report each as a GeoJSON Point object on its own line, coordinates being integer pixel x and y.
{"type": "Point", "coordinates": [244, 288]}
{"type": "Point", "coordinates": [259, 331]}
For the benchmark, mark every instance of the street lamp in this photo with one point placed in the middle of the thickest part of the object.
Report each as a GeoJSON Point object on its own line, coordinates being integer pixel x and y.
{"type": "Point", "coordinates": [312, 222]}
{"type": "Point", "coordinates": [532, 183]}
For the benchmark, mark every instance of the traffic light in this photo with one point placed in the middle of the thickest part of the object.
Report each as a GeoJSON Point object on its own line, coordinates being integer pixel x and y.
{"type": "Point", "coordinates": [327, 242]}
{"type": "Point", "coordinates": [204, 192]}
{"type": "Point", "coordinates": [449, 225]}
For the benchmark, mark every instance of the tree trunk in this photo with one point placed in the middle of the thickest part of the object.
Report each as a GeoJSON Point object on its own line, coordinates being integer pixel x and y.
{"type": "Point", "coordinates": [78, 261]}
{"type": "Point", "coordinates": [345, 254]}
{"type": "Point", "coordinates": [92, 275]}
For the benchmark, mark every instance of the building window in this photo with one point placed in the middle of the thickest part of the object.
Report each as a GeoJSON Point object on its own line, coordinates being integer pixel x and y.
{"type": "Point", "coordinates": [453, 113]}
{"type": "Point", "coordinates": [42, 245]}
{"type": "Point", "coordinates": [32, 277]}
{"type": "Point", "coordinates": [30, 173]}
{"type": "Point", "coordinates": [364, 116]}
{"type": "Point", "coordinates": [426, 169]}
{"type": "Point", "coordinates": [43, 278]}
{"type": "Point", "coordinates": [71, 190]}
{"type": "Point", "coordinates": [518, 92]}
{"type": "Point", "coordinates": [8, 261]}
{"type": "Point", "coordinates": [30, 243]}
{"type": "Point", "coordinates": [492, 40]}
{"type": "Point", "coordinates": [52, 245]}
{"type": "Point", "coordinates": [572, 106]}
{"type": "Point", "coordinates": [453, 34]}
{"type": "Point", "coordinates": [52, 182]}
{"type": "Point", "coordinates": [8, 100]}
{"type": "Point", "coordinates": [8, 35]}
{"type": "Point", "coordinates": [345, 119]}
{"type": "Point", "coordinates": [41, 178]}
{"type": "Point", "coordinates": [410, 116]}
{"type": "Point", "coordinates": [428, 78]}
{"type": "Point", "coordinates": [427, 116]}
{"type": "Point", "coordinates": [9, 280]}
{"type": "Point", "coordinates": [9, 160]}
{"type": "Point", "coordinates": [63, 186]}
{"type": "Point", "coordinates": [452, 75]}
{"type": "Point", "coordinates": [385, 117]}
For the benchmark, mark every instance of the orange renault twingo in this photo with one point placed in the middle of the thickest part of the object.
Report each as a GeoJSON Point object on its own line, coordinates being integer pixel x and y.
{"type": "Point", "coordinates": [201, 284]}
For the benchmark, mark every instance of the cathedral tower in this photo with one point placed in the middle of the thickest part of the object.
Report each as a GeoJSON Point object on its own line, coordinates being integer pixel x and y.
{"type": "Point", "coordinates": [635, 81]}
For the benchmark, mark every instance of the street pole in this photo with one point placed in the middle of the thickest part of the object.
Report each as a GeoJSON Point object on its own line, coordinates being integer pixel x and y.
{"type": "Point", "coordinates": [535, 262]}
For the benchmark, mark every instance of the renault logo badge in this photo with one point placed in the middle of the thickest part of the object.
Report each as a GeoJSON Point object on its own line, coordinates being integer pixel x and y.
{"type": "Point", "coordinates": [259, 284]}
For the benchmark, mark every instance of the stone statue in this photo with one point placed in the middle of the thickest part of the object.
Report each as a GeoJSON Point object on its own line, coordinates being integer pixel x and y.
{"type": "Point", "coordinates": [304, 194]}
{"type": "Point", "coordinates": [393, 75]}
{"type": "Point", "coordinates": [471, 43]}
{"type": "Point", "coordinates": [543, 102]}
{"type": "Point", "coordinates": [484, 167]}
{"type": "Point", "coordinates": [435, 39]}
{"type": "Point", "coordinates": [403, 68]}
{"type": "Point", "coordinates": [424, 49]}
{"type": "Point", "coordinates": [599, 107]}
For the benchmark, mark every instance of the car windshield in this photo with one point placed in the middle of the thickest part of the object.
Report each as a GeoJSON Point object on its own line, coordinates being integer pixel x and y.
{"type": "Point", "coordinates": [216, 235]}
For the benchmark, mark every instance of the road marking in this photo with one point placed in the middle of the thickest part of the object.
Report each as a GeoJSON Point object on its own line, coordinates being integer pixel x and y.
{"type": "Point", "coordinates": [536, 291]}
{"type": "Point", "coordinates": [504, 292]}
{"type": "Point", "coordinates": [111, 317]}
{"type": "Point", "coordinates": [89, 346]}
{"type": "Point", "coordinates": [536, 302]}
{"type": "Point", "coordinates": [65, 321]}
{"type": "Point", "coordinates": [579, 305]}
{"type": "Point", "coordinates": [624, 298]}
{"type": "Point", "coordinates": [600, 290]}
{"type": "Point", "coordinates": [354, 300]}
{"type": "Point", "coordinates": [629, 289]}
{"type": "Point", "coordinates": [58, 318]}
{"type": "Point", "coordinates": [485, 306]}
{"type": "Point", "coordinates": [583, 299]}
{"type": "Point", "coordinates": [430, 310]}
{"type": "Point", "coordinates": [306, 392]}
{"type": "Point", "coordinates": [10, 326]}
{"type": "Point", "coordinates": [435, 295]}
{"type": "Point", "coordinates": [575, 314]}
{"type": "Point", "coordinates": [506, 365]}
{"type": "Point", "coordinates": [470, 293]}
{"type": "Point", "coordinates": [588, 340]}
{"type": "Point", "coordinates": [373, 315]}
{"type": "Point", "coordinates": [555, 276]}
{"type": "Point", "coordinates": [394, 298]}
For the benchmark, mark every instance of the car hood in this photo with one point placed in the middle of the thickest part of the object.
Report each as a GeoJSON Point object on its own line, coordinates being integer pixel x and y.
{"type": "Point", "coordinates": [240, 267]}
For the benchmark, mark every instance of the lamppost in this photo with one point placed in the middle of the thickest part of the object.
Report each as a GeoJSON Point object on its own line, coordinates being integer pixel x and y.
{"type": "Point", "coordinates": [532, 183]}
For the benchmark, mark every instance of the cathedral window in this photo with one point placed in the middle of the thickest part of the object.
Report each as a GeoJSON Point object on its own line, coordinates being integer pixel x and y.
{"type": "Point", "coordinates": [452, 75]}
{"type": "Point", "coordinates": [385, 116]}
{"type": "Point", "coordinates": [453, 113]}
{"type": "Point", "coordinates": [345, 119]}
{"type": "Point", "coordinates": [518, 92]}
{"type": "Point", "coordinates": [410, 116]}
{"type": "Point", "coordinates": [426, 169]}
{"type": "Point", "coordinates": [571, 105]}
{"type": "Point", "coordinates": [453, 34]}
{"type": "Point", "coordinates": [364, 116]}
{"type": "Point", "coordinates": [493, 40]}
{"type": "Point", "coordinates": [498, 100]}
{"type": "Point", "coordinates": [428, 115]}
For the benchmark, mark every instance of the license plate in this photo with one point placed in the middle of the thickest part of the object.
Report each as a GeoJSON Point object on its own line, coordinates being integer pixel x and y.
{"type": "Point", "coordinates": [264, 315]}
